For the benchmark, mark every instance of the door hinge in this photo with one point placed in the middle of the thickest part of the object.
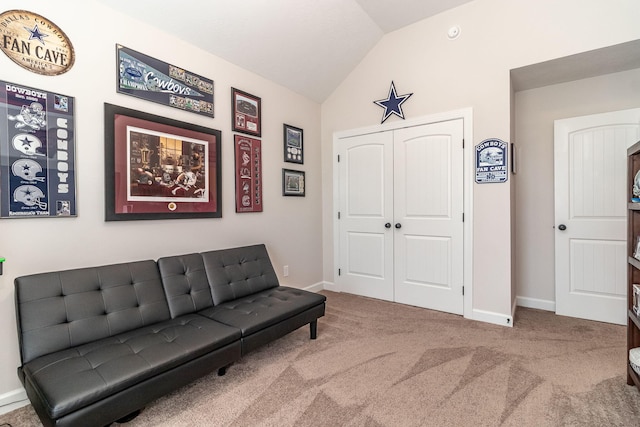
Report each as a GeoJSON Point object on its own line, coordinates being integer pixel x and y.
{"type": "Point", "coordinates": [338, 215]}
{"type": "Point", "coordinates": [463, 290]}
{"type": "Point", "coordinates": [463, 143]}
{"type": "Point", "coordinates": [339, 272]}
{"type": "Point", "coordinates": [462, 216]}
{"type": "Point", "coordinates": [338, 158]}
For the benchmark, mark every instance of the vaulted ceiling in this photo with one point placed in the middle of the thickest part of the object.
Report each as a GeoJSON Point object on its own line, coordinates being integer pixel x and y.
{"type": "Point", "coordinates": [308, 46]}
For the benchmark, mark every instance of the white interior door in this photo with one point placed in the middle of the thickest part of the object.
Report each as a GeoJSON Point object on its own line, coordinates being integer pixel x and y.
{"type": "Point", "coordinates": [590, 214]}
{"type": "Point", "coordinates": [401, 199]}
{"type": "Point", "coordinates": [428, 224]}
{"type": "Point", "coordinates": [366, 213]}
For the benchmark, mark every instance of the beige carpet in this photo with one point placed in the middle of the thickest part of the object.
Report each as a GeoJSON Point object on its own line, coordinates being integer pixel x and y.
{"type": "Point", "coordinates": [383, 364]}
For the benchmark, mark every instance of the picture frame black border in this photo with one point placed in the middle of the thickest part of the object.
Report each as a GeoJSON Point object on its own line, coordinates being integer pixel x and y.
{"type": "Point", "coordinates": [284, 187]}
{"type": "Point", "coordinates": [110, 111]}
{"type": "Point", "coordinates": [285, 127]}
{"type": "Point", "coordinates": [258, 100]}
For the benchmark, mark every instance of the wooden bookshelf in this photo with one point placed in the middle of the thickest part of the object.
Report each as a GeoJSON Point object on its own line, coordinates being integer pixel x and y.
{"type": "Point", "coordinates": [633, 263]}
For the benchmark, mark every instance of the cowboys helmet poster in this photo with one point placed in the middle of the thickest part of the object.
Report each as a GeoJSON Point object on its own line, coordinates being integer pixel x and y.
{"type": "Point", "coordinates": [37, 153]}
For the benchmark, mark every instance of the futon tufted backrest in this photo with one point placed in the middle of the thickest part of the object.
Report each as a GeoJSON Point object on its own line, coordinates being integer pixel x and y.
{"type": "Point", "coordinates": [237, 272]}
{"type": "Point", "coordinates": [64, 309]}
{"type": "Point", "coordinates": [185, 283]}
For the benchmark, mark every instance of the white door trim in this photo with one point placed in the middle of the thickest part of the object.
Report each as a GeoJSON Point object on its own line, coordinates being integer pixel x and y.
{"type": "Point", "coordinates": [466, 114]}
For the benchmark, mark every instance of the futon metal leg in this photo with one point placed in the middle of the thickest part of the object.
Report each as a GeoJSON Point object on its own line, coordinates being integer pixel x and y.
{"type": "Point", "coordinates": [313, 327]}
{"type": "Point", "coordinates": [222, 371]}
{"type": "Point", "coordinates": [129, 417]}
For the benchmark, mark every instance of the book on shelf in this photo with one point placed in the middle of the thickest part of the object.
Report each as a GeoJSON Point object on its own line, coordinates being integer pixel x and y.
{"type": "Point", "coordinates": [634, 359]}
{"type": "Point", "coordinates": [635, 190]}
{"type": "Point", "coordinates": [636, 299]}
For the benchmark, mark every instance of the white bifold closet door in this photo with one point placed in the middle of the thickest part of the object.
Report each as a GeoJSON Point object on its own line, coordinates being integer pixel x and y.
{"type": "Point", "coordinates": [401, 215]}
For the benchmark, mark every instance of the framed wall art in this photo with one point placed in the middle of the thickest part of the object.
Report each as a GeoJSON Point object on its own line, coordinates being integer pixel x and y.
{"type": "Point", "coordinates": [37, 153]}
{"type": "Point", "coordinates": [247, 113]}
{"type": "Point", "coordinates": [35, 43]}
{"type": "Point", "coordinates": [248, 155]}
{"type": "Point", "coordinates": [293, 148]}
{"type": "Point", "coordinates": [491, 161]}
{"type": "Point", "coordinates": [293, 183]}
{"type": "Point", "coordinates": [159, 168]}
{"type": "Point", "coordinates": [148, 78]}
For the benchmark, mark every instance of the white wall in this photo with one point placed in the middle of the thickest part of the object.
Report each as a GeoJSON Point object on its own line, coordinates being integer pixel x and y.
{"type": "Point", "coordinates": [472, 71]}
{"type": "Point", "coordinates": [535, 111]}
{"type": "Point", "coordinates": [290, 227]}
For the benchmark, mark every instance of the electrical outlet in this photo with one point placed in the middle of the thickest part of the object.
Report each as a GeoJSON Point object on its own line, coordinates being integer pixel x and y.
{"type": "Point", "coordinates": [285, 270]}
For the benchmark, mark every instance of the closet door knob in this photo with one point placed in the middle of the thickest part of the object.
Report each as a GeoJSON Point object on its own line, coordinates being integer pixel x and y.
{"type": "Point", "coordinates": [387, 225]}
{"type": "Point", "coordinates": [562, 227]}
{"type": "Point", "coordinates": [398, 225]}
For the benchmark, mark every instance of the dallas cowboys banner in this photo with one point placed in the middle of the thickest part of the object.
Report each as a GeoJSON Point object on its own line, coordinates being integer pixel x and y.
{"type": "Point", "coordinates": [145, 77]}
{"type": "Point", "coordinates": [37, 153]}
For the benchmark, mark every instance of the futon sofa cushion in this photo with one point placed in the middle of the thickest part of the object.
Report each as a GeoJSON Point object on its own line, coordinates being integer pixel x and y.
{"type": "Point", "coordinates": [64, 309]}
{"type": "Point", "coordinates": [185, 283]}
{"type": "Point", "coordinates": [72, 379]}
{"type": "Point", "coordinates": [263, 309]}
{"type": "Point", "coordinates": [238, 272]}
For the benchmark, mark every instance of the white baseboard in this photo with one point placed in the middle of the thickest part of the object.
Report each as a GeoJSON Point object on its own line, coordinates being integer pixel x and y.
{"type": "Point", "coordinates": [331, 287]}
{"type": "Point", "coordinates": [315, 288]}
{"type": "Point", "coordinates": [491, 317]}
{"type": "Point", "coordinates": [540, 304]}
{"type": "Point", "coordinates": [480, 315]}
{"type": "Point", "coordinates": [13, 400]}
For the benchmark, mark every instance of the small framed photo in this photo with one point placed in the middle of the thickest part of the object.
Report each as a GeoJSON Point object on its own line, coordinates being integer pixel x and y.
{"type": "Point", "coordinates": [247, 113]}
{"type": "Point", "coordinates": [292, 183]}
{"type": "Point", "coordinates": [636, 299]}
{"type": "Point", "coordinates": [636, 252]}
{"type": "Point", "coordinates": [293, 148]}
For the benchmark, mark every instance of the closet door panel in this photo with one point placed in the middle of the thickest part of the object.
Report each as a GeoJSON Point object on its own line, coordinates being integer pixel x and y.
{"type": "Point", "coordinates": [428, 203]}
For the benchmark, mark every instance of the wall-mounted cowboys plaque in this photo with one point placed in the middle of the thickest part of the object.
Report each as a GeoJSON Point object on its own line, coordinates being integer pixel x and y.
{"type": "Point", "coordinates": [35, 43]}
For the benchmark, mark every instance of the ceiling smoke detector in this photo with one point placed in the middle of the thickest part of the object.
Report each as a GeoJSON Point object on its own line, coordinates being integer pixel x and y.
{"type": "Point", "coordinates": [453, 32]}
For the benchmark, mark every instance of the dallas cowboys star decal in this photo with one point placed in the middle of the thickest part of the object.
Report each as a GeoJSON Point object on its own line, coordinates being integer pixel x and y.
{"type": "Point", "coordinates": [26, 142]}
{"type": "Point", "coordinates": [36, 34]}
{"type": "Point", "coordinates": [393, 103]}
